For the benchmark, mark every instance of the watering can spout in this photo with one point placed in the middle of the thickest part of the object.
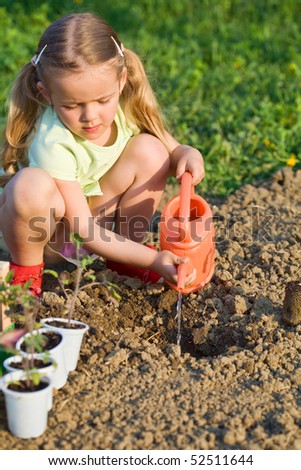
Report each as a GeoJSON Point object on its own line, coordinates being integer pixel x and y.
{"type": "Point", "coordinates": [181, 277]}
{"type": "Point", "coordinates": [186, 229]}
{"type": "Point", "coordinates": [184, 269]}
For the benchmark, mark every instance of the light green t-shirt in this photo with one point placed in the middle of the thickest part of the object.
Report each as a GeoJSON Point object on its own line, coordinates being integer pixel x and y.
{"type": "Point", "coordinates": [68, 157]}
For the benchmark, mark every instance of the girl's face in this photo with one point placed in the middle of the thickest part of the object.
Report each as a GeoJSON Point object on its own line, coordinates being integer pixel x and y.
{"type": "Point", "coordinates": [86, 102]}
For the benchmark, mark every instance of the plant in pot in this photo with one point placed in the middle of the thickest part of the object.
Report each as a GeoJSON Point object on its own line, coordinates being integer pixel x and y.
{"type": "Point", "coordinates": [74, 330]}
{"type": "Point", "coordinates": [27, 391]}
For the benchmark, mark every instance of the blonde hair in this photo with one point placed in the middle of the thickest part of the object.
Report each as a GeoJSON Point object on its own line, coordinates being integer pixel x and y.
{"type": "Point", "coordinates": [73, 42]}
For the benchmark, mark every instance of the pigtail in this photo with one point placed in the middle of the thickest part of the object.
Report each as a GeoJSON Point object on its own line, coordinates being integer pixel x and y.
{"type": "Point", "coordinates": [23, 111]}
{"type": "Point", "coordinates": [139, 101]}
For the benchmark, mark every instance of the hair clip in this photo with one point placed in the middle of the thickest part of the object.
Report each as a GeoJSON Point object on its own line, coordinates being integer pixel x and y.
{"type": "Point", "coordinates": [120, 51]}
{"type": "Point", "coordinates": [36, 59]}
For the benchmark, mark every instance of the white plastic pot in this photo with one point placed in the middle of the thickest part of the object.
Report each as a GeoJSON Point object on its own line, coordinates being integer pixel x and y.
{"type": "Point", "coordinates": [73, 339]}
{"type": "Point", "coordinates": [27, 413]}
{"type": "Point", "coordinates": [60, 375]}
{"type": "Point", "coordinates": [47, 371]}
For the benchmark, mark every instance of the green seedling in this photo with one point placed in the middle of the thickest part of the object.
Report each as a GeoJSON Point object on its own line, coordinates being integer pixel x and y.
{"type": "Point", "coordinates": [83, 261]}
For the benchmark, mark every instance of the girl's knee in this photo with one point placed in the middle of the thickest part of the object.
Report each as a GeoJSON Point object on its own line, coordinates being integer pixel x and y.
{"type": "Point", "coordinates": [32, 189]}
{"type": "Point", "coordinates": [149, 152]}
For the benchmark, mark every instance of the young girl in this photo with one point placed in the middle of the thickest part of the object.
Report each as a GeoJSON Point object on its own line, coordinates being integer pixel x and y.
{"type": "Point", "coordinates": [86, 151]}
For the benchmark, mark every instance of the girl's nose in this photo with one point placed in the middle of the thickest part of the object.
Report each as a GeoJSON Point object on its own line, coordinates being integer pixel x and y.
{"type": "Point", "coordinates": [89, 113]}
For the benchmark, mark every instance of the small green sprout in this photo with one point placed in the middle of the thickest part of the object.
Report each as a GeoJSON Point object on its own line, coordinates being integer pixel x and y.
{"type": "Point", "coordinates": [83, 261]}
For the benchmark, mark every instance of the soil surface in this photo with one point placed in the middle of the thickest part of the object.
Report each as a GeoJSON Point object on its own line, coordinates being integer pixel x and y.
{"type": "Point", "coordinates": [235, 383]}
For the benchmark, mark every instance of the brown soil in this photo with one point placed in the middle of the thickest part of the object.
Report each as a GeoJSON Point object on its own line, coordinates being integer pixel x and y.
{"type": "Point", "coordinates": [236, 382]}
{"type": "Point", "coordinates": [37, 364]}
{"type": "Point", "coordinates": [23, 387]}
{"type": "Point", "coordinates": [50, 340]}
{"type": "Point", "coordinates": [65, 325]}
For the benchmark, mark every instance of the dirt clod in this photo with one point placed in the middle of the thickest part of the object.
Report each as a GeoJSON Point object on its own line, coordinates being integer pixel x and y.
{"type": "Point", "coordinates": [292, 303]}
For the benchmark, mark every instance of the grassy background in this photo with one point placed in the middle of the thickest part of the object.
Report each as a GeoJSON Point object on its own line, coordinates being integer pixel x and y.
{"type": "Point", "coordinates": [227, 73]}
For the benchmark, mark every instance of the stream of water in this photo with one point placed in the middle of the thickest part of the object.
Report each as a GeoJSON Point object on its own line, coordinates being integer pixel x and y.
{"type": "Point", "coordinates": [179, 315]}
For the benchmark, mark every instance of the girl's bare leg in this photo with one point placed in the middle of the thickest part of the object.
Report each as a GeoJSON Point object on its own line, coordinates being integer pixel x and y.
{"type": "Point", "coordinates": [30, 207]}
{"type": "Point", "coordinates": [133, 188]}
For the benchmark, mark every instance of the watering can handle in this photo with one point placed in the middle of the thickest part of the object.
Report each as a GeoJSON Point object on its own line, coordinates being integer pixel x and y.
{"type": "Point", "coordinates": [184, 207]}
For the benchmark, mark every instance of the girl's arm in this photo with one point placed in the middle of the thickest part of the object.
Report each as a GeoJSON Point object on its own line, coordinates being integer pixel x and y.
{"type": "Point", "coordinates": [185, 158]}
{"type": "Point", "coordinates": [98, 240]}
{"type": "Point", "coordinates": [108, 244]}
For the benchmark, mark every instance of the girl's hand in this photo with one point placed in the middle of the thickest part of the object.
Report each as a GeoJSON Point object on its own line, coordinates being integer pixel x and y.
{"type": "Point", "coordinates": [191, 160]}
{"type": "Point", "coordinates": [10, 338]}
{"type": "Point", "coordinates": [185, 158]}
{"type": "Point", "coordinates": [167, 263]}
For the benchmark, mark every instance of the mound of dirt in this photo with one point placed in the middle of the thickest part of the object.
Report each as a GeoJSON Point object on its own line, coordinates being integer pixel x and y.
{"type": "Point", "coordinates": [235, 383]}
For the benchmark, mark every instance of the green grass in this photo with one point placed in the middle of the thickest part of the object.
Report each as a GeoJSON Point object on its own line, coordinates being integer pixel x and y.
{"type": "Point", "coordinates": [227, 72]}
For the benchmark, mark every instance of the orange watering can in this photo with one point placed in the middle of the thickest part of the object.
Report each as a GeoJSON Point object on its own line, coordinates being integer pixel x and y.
{"type": "Point", "coordinates": [186, 229]}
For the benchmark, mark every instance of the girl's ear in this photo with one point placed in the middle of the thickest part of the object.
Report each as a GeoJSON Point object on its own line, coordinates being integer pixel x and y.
{"type": "Point", "coordinates": [44, 92]}
{"type": "Point", "coordinates": [122, 80]}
